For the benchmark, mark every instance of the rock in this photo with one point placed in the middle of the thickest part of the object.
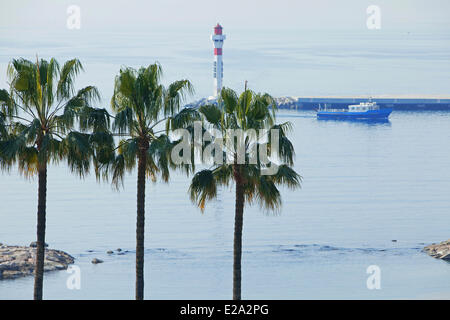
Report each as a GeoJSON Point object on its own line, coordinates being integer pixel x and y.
{"type": "Point", "coordinates": [34, 244]}
{"type": "Point", "coordinates": [439, 251]}
{"type": "Point", "coordinates": [109, 252]}
{"type": "Point", "coordinates": [394, 240]}
{"type": "Point", "coordinates": [95, 261]}
{"type": "Point", "coordinates": [19, 261]}
{"type": "Point", "coordinates": [446, 256]}
{"type": "Point", "coordinates": [118, 249]}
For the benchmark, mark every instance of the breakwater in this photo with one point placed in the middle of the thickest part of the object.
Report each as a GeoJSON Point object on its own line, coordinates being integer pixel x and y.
{"type": "Point", "coordinates": [396, 103]}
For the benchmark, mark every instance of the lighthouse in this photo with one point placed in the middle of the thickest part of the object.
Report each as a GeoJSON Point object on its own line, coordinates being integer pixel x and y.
{"type": "Point", "coordinates": [217, 39]}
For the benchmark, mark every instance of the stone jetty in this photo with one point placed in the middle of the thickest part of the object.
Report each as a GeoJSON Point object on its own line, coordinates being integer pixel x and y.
{"type": "Point", "coordinates": [439, 251]}
{"type": "Point", "coordinates": [18, 261]}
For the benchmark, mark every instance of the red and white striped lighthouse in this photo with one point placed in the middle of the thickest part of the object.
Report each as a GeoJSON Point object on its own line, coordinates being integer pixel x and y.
{"type": "Point", "coordinates": [218, 39]}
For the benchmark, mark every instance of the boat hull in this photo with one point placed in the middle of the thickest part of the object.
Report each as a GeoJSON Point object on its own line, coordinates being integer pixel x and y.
{"type": "Point", "coordinates": [382, 114]}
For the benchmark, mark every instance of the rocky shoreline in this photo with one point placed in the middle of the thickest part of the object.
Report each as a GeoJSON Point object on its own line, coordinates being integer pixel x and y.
{"type": "Point", "coordinates": [439, 251]}
{"type": "Point", "coordinates": [18, 261]}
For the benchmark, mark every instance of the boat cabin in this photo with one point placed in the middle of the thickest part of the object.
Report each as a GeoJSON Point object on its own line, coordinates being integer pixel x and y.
{"type": "Point", "coordinates": [363, 107]}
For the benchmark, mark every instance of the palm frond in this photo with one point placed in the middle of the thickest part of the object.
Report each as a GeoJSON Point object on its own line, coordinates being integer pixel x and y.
{"type": "Point", "coordinates": [28, 161]}
{"type": "Point", "coordinates": [118, 169]}
{"type": "Point", "coordinates": [50, 149]}
{"type": "Point", "coordinates": [287, 176]}
{"type": "Point", "coordinates": [3, 130]}
{"type": "Point", "coordinates": [129, 150]}
{"type": "Point", "coordinates": [182, 119]}
{"type": "Point", "coordinates": [102, 143]}
{"type": "Point", "coordinates": [212, 114]}
{"type": "Point", "coordinates": [7, 105]}
{"type": "Point", "coordinates": [175, 95]}
{"type": "Point", "coordinates": [267, 194]}
{"type": "Point", "coordinates": [66, 83]}
{"type": "Point", "coordinates": [159, 155]}
{"type": "Point", "coordinates": [203, 188]}
{"type": "Point", "coordinates": [12, 145]}
{"type": "Point", "coordinates": [229, 99]}
{"type": "Point", "coordinates": [285, 150]}
{"type": "Point", "coordinates": [223, 174]}
{"type": "Point", "coordinates": [124, 121]}
{"type": "Point", "coordinates": [94, 119]}
{"type": "Point", "coordinates": [78, 151]}
{"type": "Point", "coordinates": [50, 76]}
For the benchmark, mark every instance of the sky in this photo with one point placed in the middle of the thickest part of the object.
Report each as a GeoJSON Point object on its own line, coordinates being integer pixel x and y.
{"type": "Point", "coordinates": [103, 15]}
{"type": "Point", "coordinates": [290, 47]}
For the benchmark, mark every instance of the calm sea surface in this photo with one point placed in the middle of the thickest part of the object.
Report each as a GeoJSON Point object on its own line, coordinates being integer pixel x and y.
{"type": "Point", "coordinates": [364, 184]}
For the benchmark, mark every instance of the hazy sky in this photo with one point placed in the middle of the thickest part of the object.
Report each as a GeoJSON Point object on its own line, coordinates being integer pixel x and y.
{"type": "Point", "coordinates": [105, 15]}
{"type": "Point", "coordinates": [292, 47]}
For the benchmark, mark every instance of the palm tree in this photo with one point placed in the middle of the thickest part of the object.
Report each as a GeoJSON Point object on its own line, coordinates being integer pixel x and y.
{"type": "Point", "coordinates": [249, 111]}
{"type": "Point", "coordinates": [145, 113]}
{"type": "Point", "coordinates": [37, 118]}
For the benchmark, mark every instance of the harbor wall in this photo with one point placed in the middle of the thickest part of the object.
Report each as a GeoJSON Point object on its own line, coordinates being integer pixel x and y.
{"type": "Point", "coordinates": [339, 103]}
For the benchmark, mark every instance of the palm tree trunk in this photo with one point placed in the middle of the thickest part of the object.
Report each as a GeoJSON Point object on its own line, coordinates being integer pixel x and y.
{"type": "Point", "coordinates": [140, 224]}
{"type": "Point", "coordinates": [238, 223]}
{"type": "Point", "coordinates": [40, 250]}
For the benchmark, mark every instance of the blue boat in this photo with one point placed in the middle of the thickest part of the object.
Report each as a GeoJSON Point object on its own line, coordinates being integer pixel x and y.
{"type": "Point", "coordinates": [363, 111]}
